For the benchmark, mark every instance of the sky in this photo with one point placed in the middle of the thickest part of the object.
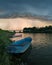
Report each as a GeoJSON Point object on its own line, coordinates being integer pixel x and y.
{"type": "Point", "coordinates": [17, 14]}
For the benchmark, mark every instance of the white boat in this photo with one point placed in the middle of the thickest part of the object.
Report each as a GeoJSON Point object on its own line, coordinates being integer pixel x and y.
{"type": "Point", "coordinates": [19, 46]}
{"type": "Point", "coordinates": [17, 35]}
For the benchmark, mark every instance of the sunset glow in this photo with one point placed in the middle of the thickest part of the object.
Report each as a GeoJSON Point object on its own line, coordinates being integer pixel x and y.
{"type": "Point", "coordinates": [20, 23]}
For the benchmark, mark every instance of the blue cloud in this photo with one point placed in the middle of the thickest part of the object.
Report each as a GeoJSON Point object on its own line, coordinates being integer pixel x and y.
{"type": "Point", "coordinates": [17, 8]}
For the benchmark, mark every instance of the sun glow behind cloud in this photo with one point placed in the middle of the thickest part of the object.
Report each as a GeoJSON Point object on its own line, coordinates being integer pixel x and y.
{"type": "Point", "coordinates": [20, 23]}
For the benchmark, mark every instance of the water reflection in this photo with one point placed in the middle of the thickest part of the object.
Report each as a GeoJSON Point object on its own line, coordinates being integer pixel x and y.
{"type": "Point", "coordinates": [20, 59]}
{"type": "Point", "coordinates": [41, 51]}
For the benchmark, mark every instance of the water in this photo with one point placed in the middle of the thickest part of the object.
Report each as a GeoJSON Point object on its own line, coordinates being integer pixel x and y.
{"type": "Point", "coordinates": [41, 52]}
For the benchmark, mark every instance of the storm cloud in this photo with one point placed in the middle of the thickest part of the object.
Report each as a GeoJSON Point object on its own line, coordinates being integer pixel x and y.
{"type": "Point", "coordinates": [17, 14]}
{"type": "Point", "coordinates": [17, 8]}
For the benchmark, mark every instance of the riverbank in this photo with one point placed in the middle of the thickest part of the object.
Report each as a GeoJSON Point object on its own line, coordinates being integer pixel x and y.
{"type": "Point", "coordinates": [4, 42]}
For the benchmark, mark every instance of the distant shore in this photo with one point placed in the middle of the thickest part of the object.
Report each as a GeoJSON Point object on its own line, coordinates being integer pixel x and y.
{"type": "Point", "coordinates": [47, 29]}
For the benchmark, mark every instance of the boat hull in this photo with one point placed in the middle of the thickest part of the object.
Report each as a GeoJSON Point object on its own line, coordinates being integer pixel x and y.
{"type": "Point", "coordinates": [19, 46]}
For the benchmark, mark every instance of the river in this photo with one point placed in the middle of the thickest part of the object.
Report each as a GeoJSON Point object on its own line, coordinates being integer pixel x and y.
{"type": "Point", "coordinates": [41, 52]}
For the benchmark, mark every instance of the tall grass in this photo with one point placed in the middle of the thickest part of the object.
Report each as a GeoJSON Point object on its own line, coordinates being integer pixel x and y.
{"type": "Point", "coordinates": [4, 42]}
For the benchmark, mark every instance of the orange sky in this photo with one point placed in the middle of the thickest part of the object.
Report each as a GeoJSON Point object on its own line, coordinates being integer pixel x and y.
{"type": "Point", "coordinates": [20, 23]}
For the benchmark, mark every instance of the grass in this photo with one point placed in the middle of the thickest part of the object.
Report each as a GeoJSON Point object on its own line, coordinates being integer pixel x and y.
{"type": "Point", "coordinates": [4, 42]}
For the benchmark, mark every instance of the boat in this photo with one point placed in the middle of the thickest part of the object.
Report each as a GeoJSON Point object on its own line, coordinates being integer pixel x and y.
{"type": "Point", "coordinates": [19, 46]}
{"type": "Point", "coordinates": [17, 35]}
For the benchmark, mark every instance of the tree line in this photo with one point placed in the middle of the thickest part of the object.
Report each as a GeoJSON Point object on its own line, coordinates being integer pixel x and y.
{"type": "Point", "coordinates": [46, 29]}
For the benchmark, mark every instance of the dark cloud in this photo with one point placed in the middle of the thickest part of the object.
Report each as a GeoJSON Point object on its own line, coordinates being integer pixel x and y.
{"type": "Point", "coordinates": [25, 8]}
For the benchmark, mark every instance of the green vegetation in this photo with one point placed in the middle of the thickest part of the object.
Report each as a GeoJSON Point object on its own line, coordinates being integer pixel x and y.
{"type": "Point", "coordinates": [4, 42]}
{"type": "Point", "coordinates": [47, 29]}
